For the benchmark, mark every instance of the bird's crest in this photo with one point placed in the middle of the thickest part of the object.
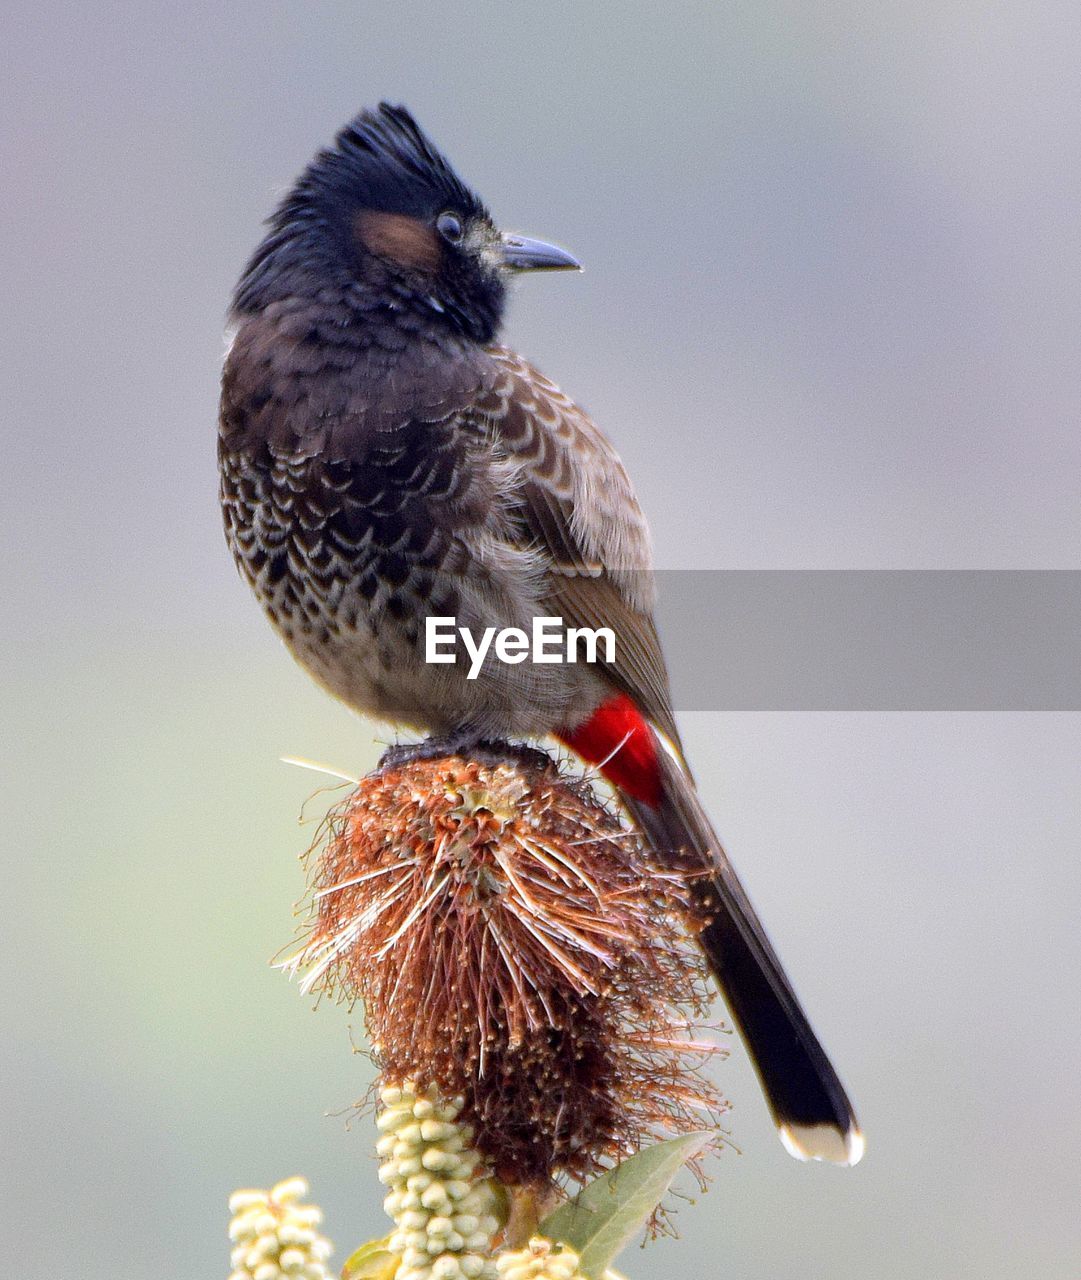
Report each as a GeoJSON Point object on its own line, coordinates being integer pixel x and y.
{"type": "Point", "coordinates": [391, 136]}
{"type": "Point", "coordinates": [383, 159]}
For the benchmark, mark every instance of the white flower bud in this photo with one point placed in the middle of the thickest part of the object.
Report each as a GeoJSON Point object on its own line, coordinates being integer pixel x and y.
{"type": "Point", "coordinates": [539, 1260]}
{"type": "Point", "coordinates": [432, 1175]}
{"type": "Point", "coordinates": [275, 1235]}
{"type": "Point", "coordinates": [289, 1190]}
{"type": "Point", "coordinates": [241, 1200]}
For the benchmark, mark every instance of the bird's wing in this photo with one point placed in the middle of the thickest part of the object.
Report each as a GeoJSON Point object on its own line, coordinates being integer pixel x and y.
{"type": "Point", "coordinates": [575, 502]}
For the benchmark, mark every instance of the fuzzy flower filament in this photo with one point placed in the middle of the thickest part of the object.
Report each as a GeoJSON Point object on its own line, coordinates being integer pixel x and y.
{"type": "Point", "coordinates": [517, 947]}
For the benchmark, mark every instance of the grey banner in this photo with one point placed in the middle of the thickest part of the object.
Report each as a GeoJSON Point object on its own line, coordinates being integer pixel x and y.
{"type": "Point", "coordinates": [964, 640]}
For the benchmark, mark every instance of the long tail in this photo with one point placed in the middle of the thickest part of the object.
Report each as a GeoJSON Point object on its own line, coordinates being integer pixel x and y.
{"type": "Point", "coordinates": [814, 1117]}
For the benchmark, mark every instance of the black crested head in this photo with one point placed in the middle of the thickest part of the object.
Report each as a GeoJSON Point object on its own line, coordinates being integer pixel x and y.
{"type": "Point", "coordinates": [386, 154]}
{"type": "Point", "coordinates": [382, 218]}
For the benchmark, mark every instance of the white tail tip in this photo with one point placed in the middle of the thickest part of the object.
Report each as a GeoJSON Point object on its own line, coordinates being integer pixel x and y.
{"type": "Point", "coordinates": [822, 1142]}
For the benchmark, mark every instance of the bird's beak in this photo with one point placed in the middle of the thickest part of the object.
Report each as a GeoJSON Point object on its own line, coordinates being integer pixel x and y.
{"type": "Point", "coordinates": [523, 254]}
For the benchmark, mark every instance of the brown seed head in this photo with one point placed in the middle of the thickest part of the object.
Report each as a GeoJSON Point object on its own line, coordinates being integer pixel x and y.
{"type": "Point", "coordinates": [513, 944]}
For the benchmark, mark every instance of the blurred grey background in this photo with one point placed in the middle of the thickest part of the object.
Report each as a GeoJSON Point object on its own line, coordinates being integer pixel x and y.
{"type": "Point", "coordinates": [831, 318]}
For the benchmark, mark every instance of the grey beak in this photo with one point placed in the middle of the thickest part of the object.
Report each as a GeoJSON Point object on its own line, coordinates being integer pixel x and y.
{"type": "Point", "coordinates": [522, 254]}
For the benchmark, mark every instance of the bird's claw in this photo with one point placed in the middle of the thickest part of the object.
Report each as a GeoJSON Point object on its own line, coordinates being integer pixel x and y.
{"type": "Point", "coordinates": [434, 748]}
{"type": "Point", "coordinates": [465, 743]}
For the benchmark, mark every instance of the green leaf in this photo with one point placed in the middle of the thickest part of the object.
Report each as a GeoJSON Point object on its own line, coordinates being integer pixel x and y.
{"type": "Point", "coordinates": [372, 1261]}
{"type": "Point", "coordinates": [608, 1213]}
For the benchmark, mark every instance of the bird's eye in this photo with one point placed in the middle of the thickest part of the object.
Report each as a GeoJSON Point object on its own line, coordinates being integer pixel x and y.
{"type": "Point", "coordinates": [449, 226]}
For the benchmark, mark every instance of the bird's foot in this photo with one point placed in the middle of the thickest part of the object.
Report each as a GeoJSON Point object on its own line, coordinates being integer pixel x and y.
{"type": "Point", "coordinates": [467, 743]}
{"type": "Point", "coordinates": [460, 742]}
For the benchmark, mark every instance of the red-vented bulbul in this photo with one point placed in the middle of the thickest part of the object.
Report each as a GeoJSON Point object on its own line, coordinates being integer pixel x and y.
{"type": "Point", "coordinates": [383, 460]}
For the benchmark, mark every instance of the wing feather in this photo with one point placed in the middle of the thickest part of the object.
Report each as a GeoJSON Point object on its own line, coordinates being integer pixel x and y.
{"type": "Point", "coordinates": [575, 501]}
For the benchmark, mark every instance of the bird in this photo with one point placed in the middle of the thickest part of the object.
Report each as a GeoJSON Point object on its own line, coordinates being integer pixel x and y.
{"type": "Point", "coordinates": [385, 459]}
